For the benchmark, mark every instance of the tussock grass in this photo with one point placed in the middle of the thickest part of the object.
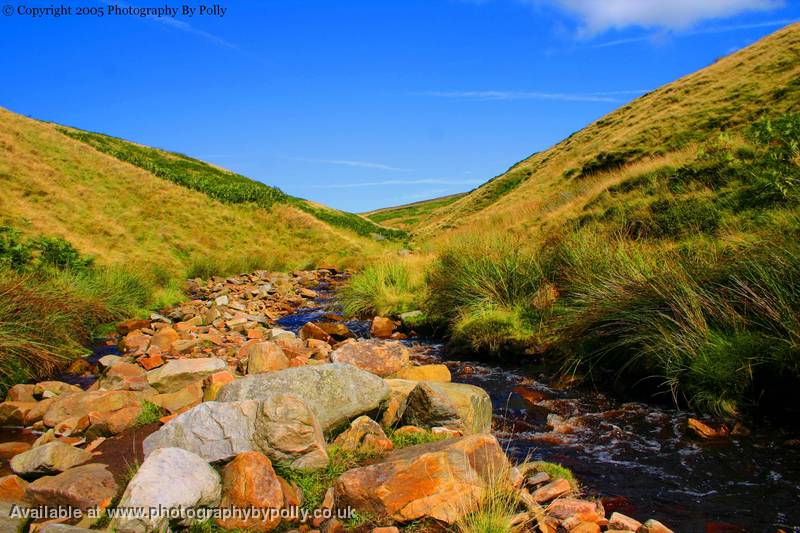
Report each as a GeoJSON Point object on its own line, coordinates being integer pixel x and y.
{"type": "Point", "coordinates": [498, 509]}
{"type": "Point", "coordinates": [404, 440]}
{"type": "Point", "coordinates": [386, 288]}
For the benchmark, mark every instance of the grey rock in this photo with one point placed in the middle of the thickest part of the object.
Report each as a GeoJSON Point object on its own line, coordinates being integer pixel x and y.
{"type": "Point", "coordinates": [458, 406]}
{"type": "Point", "coordinates": [336, 393]}
{"type": "Point", "coordinates": [179, 373]}
{"type": "Point", "coordinates": [50, 458]}
{"type": "Point", "coordinates": [171, 478]}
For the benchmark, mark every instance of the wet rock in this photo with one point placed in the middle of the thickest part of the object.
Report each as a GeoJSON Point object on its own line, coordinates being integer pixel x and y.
{"type": "Point", "coordinates": [623, 522]}
{"type": "Point", "coordinates": [265, 357]}
{"type": "Point", "coordinates": [82, 487]}
{"type": "Point", "coordinates": [653, 526]}
{"type": "Point", "coordinates": [395, 405]}
{"type": "Point", "coordinates": [458, 406]}
{"type": "Point", "coordinates": [382, 358]}
{"type": "Point", "coordinates": [50, 458]}
{"type": "Point", "coordinates": [335, 393]}
{"type": "Point", "coordinates": [440, 480]}
{"type": "Point", "coordinates": [249, 481]}
{"type": "Point", "coordinates": [551, 491]}
{"type": "Point", "coordinates": [179, 373]}
{"type": "Point", "coordinates": [81, 404]}
{"type": "Point", "coordinates": [704, 431]}
{"type": "Point", "coordinates": [424, 373]}
{"type": "Point", "coordinates": [171, 478]}
{"type": "Point", "coordinates": [382, 327]}
{"type": "Point", "coordinates": [12, 489]}
{"type": "Point", "coordinates": [363, 434]}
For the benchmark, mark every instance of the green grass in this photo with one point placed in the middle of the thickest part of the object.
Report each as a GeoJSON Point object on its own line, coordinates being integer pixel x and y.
{"type": "Point", "coordinates": [403, 440]}
{"type": "Point", "coordinates": [150, 414]}
{"type": "Point", "coordinates": [496, 510]}
{"type": "Point", "coordinates": [404, 216]}
{"type": "Point", "coordinates": [554, 470]}
{"type": "Point", "coordinates": [222, 185]}
{"type": "Point", "coordinates": [386, 288]}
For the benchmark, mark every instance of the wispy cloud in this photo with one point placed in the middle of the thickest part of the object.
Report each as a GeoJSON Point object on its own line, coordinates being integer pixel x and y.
{"type": "Point", "coordinates": [597, 16]}
{"type": "Point", "coordinates": [661, 36]}
{"type": "Point", "coordinates": [188, 28]}
{"type": "Point", "coordinates": [386, 183]}
{"type": "Point", "coordinates": [352, 163]}
{"type": "Point", "coordinates": [530, 95]}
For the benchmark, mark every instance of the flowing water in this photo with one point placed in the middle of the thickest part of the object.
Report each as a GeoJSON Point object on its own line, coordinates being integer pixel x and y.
{"type": "Point", "coordinates": [637, 457]}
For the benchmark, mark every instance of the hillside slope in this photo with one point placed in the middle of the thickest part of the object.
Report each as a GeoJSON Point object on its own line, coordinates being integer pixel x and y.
{"type": "Point", "coordinates": [663, 127]}
{"type": "Point", "coordinates": [118, 212]}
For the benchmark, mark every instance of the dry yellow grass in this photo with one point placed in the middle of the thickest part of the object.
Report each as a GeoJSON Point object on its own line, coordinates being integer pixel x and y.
{"type": "Point", "coordinates": [662, 125]}
{"type": "Point", "coordinates": [119, 213]}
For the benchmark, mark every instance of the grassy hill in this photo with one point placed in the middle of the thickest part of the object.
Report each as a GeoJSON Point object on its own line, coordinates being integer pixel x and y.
{"type": "Point", "coordinates": [663, 127]}
{"type": "Point", "coordinates": [409, 215]}
{"type": "Point", "coordinates": [123, 202]}
{"type": "Point", "coordinates": [659, 245]}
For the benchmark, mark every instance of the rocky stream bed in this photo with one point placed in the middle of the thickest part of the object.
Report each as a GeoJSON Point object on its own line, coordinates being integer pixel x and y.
{"type": "Point", "coordinates": [194, 407]}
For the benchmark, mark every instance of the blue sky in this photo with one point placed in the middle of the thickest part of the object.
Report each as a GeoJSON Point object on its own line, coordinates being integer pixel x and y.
{"type": "Point", "coordinates": [363, 104]}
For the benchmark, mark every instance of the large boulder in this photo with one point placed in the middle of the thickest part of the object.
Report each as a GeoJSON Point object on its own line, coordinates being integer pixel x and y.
{"type": "Point", "coordinates": [250, 482]}
{"type": "Point", "coordinates": [335, 393]}
{"type": "Point", "coordinates": [82, 487]}
{"type": "Point", "coordinates": [169, 478]}
{"type": "Point", "coordinates": [465, 408]}
{"type": "Point", "coordinates": [50, 458]}
{"type": "Point", "coordinates": [382, 358]}
{"type": "Point", "coordinates": [178, 373]}
{"type": "Point", "coordinates": [280, 425]}
{"type": "Point", "coordinates": [80, 404]}
{"type": "Point", "coordinates": [441, 480]}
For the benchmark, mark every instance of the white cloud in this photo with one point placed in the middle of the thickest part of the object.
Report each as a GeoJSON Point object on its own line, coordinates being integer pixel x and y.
{"type": "Point", "coordinates": [597, 16]}
{"type": "Point", "coordinates": [528, 95]}
{"type": "Point", "coordinates": [351, 163]}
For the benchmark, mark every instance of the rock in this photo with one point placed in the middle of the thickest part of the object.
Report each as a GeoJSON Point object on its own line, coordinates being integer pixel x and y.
{"type": "Point", "coordinates": [337, 330]}
{"type": "Point", "coordinates": [164, 338]}
{"type": "Point", "coordinates": [9, 523]}
{"type": "Point", "coordinates": [385, 529]}
{"type": "Point", "coordinates": [334, 392]}
{"type": "Point", "coordinates": [82, 487]}
{"type": "Point", "coordinates": [123, 328]}
{"type": "Point", "coordinates": [21, 392]}
{"type": "Point", "coordinates": [50, 389]}
{"type": "Point", "coordinates": [382, 327]}
{"type": "Point", "coordinates": [265, 357]}
{"type": "Point", "coordinates": [440, 480]}
{"type": "Point", "coordinates": [80, 405]}
{"type": "Point", "coordinates": [382, 358]}
{"type": "Point", "coordinates": [458, 406]}
{"type": "Point", "coordinates": [187, 397]}
{"type": "Point", "coordinates": [539, 478]}
{"type": "Point", "coordinates": [124, 376]}
{"type": "Point", "coordinates": [53, 527]}
{"type": "Point", "coordinates": [356, 436]}
{"type": "Point", "coordinates": [182, 346]}
{"type": "Point", "coordinates": [178, 373]}
{"type": "Point", "coordinates": [320, 350]}
{"type": "Point", "coordinates": [551, 491]}
{"type": "Point", "coordinates": [10, 449]}
{"type": "Point", "coordinates": [107, 361]}
{"type": "Point", "coordinates": [249, 481]}
{"type": "Point", "coordinates": [173, 479]}
{"type": "Point", "coordinates": [395, 405]}
{"type": "Point", "coordinates": [704, 431]}
{"type": "Point", "coordinates": [50, 458]}
{"type": "Point", "coordinates": [585, 527]}
{"type": "Point", "coordinates": [280, 425]}
{"type": "Point", "coordinates": [313, 331]}
{"type": "Point", "coordinates": [214, 383]}
{"type": "Point", "coordinates": [112, 422]}
{"type": "Point", "coordinates": [15, 413]}
{"type": "Point", "coordinates": [150, 361]}
{"type": "Point", "coordinates": [621, 522]}
{"type": "Point", "coordinates": [564, 508]}
{"type": "Point", "coordinates": [424, 373]}
{"type": "Point", "coordinates": [445, 433]}
{"type": "Point", "coordinates": [12, 489]}
{"type": "Point", "coordinates": [653, 526]}
{"type": "Point", "coordinates": [134, 342]}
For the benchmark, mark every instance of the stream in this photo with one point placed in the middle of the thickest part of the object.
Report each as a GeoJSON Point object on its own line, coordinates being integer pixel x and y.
{"type": "Point", "coordinates": [637, 457]}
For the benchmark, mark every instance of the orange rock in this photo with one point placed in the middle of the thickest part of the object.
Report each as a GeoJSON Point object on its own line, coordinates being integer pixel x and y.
{"type": "Point", "coordinates": [320, 350]}
{"type": "Point", "coordinates": [382, 327]}
{"type": "Point", "coordinates": [82, 404]}
{"type": "Point", "coordinates": [82, 487]}
{"type": "Point", "coordinates": [124, 376]}
{"type": "Point", "coordinates": [213, 383]}
{"type": "Point", "coordinates": [151, 361]}
{"type": "Point", "coordinates": [387, 529]}
{"type": "Point", "coordinates": [440, 480]}
{"type": "Point", "coordinates": [113, 422]}
{"type": "Point", "coordinates": [409, 430]}
{"type": "Point", "coordinates": [123, 328]}
{"type": "Point", "coordinates": [185, 398]}
{"type": "Point", "coordinates": [134, 342]}
{"type": "Point", "coordinates": [654, 526]}
{"type": "Point", "coordinates": [10, 449]}
{"type": "Point", "coordinates": [12, 488]}
{"type": "Point", "coordinates": [564, 508]}
{"type": "Point", "coordinates": [249, 481]}
{"type": "Point", "coordinates": [585, 527]}
{"type": "Point", "coordinates": [313, 331]}
{"type": "Point", "coordinates": [622, 522]}
{"type": "Point", "coordinates": [21, 392]}
{"type": "Point", "coordinates": [704, 431]}
{"type": "Point", "coordinates": [551, 491]}
{"type": "Point", "coordinates": [15, 413]}
{"type": "Point", "coordinates": [298, 361]}
{"type": "Point", "coordinates": [292, 495]}
{"type": "Point", "coordinates": [164, 339]}
{"type": "Point", "coordinates": [382, 358]}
